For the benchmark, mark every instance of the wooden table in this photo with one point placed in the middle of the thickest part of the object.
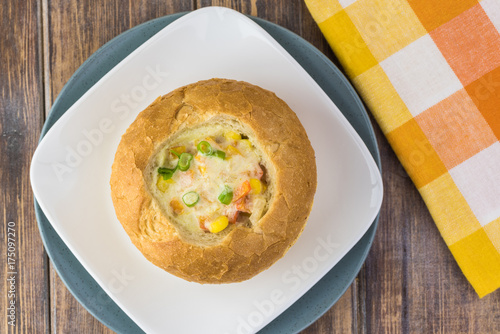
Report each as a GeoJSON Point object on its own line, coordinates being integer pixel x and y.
{"type": "Point", "coordinates": [409, 284]}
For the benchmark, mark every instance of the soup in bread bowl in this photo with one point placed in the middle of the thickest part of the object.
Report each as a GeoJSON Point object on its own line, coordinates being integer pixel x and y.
{"type": "Point", "coordinates": [214, 181]}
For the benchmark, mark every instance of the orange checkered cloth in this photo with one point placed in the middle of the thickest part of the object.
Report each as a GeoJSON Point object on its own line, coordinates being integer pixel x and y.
{"type": "Point", "coordinates": [429, 70]}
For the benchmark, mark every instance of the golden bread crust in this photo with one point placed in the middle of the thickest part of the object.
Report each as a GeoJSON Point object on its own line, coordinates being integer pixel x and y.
{"type": "Point", "coordinates": [245, 251]}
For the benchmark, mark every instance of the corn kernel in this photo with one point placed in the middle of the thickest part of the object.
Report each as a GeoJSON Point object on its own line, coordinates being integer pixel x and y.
{"type": "Point", "coordinates": [231, 135]}
{"type": "Point", "coordinates": [219, 224]}
{"type": "Point", "coordinates": [178, 149]}
{"type": "Point", "coordinates": [163, 184]}
{"type": "Point", "coordinates": [202, 169]}
{"type": "Point", "coordinates": [256, 186]}
{"type": "Point", "coordinates": [232, 150]}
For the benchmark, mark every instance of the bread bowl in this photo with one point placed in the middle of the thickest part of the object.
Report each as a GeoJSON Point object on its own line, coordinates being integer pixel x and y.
{"type": "Point", "coordinates": [213, 149]}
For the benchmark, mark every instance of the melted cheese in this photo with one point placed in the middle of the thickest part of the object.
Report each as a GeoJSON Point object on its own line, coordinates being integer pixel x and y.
{"type": "Point", "coordinates": [208, 176]}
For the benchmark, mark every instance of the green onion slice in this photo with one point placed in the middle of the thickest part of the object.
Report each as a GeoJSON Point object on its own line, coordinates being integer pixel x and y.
{"type": "Point", "coordinates": [204, 148]}
{"type": "Point", "coordinates": [167, 173]}
{"type": "Point", "coordinates": [190, 198]}
{"type": "Point", "coordinates": [220, 154]}
{"type": "Point", "coordinates": [226, 195]}
{"type": "Point", "coordinates": [175, 153]}
{"type": "Point", "coordinates": [185, 161]}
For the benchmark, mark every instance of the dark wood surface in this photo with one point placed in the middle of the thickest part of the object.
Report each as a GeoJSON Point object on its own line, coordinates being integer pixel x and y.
{"type": "Point", "coordinates": [409, 283]}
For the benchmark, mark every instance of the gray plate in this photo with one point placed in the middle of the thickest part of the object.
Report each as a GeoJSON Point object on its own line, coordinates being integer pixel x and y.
{"type": "Point", "coordinates": [319, 298]}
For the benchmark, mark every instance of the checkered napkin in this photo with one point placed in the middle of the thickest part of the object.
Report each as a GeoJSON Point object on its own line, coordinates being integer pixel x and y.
{"type": "Point", "coordinates": [429, 70]}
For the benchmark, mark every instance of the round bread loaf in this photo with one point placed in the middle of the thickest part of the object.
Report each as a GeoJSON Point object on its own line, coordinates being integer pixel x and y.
{"type": "Point", "coordinates": [283, 179]}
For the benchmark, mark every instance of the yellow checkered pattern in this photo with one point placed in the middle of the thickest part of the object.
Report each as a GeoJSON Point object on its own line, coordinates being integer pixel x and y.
{"type": "Point", "coordinates": [430, 73]}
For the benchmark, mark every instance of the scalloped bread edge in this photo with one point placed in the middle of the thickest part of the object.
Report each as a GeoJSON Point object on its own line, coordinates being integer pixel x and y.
{"type": "Point", "coordinates": [244, 251]}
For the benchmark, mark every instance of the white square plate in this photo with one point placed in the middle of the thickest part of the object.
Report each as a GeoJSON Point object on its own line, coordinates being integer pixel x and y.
{"type": "Point", "coordinates": [71, 168]}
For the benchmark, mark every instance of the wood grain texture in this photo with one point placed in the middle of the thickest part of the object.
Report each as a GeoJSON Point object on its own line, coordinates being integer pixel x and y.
{"type": "Point", "coordinates": [74, 30]}
{"type": "Point", "coordinates": [286, 13]}
{"type": "Point", "coordinates": [341, 318]}
{"type": "Point", "coordinates": [21, 104]}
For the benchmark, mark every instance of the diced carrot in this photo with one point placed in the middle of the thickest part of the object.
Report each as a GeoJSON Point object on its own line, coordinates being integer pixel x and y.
{"type": "Point", "coordinates": [176, 205]}
{"type": "Point", "coordinates": [241, 205]}
{"type": "Point", "coordinates": [233, 216]}
{"type": "Point", "coordinates": [202, 221]}
{"type": "Point", "coordinates": [242, 191]}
